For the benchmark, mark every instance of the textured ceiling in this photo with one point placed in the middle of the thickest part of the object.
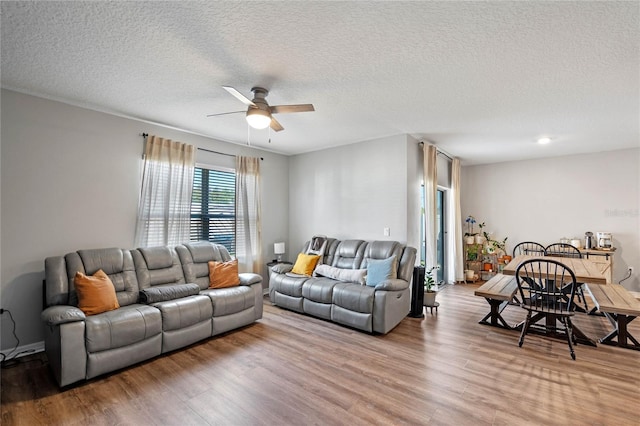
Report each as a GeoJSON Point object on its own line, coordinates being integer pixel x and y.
{"type": "Point", "coordinates": [482, 80]}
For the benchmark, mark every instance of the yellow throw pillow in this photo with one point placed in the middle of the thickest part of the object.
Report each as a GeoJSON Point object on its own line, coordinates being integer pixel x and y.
{"type": "Point", "coordinates": [305, 264]}
{"type": "Point", "coordinates": [223, 274]}
{"type": "Point", "coordinates": [96, 294]}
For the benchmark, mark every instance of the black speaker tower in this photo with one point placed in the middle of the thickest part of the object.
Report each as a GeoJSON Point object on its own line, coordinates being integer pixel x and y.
{"type": "Point", "coordinates": [417, 293]}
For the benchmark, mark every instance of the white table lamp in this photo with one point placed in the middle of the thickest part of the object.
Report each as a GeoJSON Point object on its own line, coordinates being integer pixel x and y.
{"type": "Point", "coordinates": [279, 250]}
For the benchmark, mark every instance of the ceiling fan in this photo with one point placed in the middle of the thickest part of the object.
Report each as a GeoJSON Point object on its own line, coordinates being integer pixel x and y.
{"type": "Point", "coordinates": [259, 113]}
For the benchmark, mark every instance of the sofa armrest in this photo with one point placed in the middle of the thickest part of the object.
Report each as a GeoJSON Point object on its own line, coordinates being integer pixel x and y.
{"type": "Point", "coordinates": [392, 285]}
{"type": "Point", "coordinates": [60, 314]}
{"type": "Point", "coordinates": [282, 268]}
{"type": "Point", "coordinates": [162, 293]}
{"type": "Point", "coordinates": [249, 278]}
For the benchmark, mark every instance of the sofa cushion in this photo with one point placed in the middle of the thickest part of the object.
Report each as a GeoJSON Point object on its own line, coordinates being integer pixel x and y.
{"type": "Point", "coordinates": [354, 297]}
{"type": "Point", "coordinates": [157, 266]}
{"type": "Point", "coordinates": [187, 311]}
{"type": "Point", "coordinates": [227, 301]}
{"type": "Point", "coordinates": [291, 286]}
{"type": "Point", "coordinates": [115, 262]}
{"type": "Point", "coordinates": [195, 258]}
{"type": "Point", "coordinates": [319, 289]}
{"type": "Point", "coordinates": [381, 270]}
{"type": "Point", "coordinates": [223, 274]}
{"type": "Point", "coordinates": [96, 294]}
{"type": "Point", "coordinates": [349, 254]}
{"type": "Point", "coordinates": [162, 293]}
{"type": "Point", "coordinates": [305, 264]}
{"type": "Point", "coordinates": [356, 276]}
{"type": "Point", "coordinates": [157, 257]}
{"type": "Point", "coordinates": [204, 251]}
{"type": "Point", "coordinates": [121, 327]}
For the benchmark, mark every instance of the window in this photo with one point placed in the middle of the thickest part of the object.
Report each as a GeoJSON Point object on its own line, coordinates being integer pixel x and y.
{"type": "Point", "coordinates": [213, 207]}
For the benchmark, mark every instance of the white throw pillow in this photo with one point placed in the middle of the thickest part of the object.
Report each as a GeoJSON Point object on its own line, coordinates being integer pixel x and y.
{"type": "Point", "coordinates": [357, 276]}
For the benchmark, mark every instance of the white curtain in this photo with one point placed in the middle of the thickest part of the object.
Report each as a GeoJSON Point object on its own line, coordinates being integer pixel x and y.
{"type": "Point", "coordinates": [455, 266]}
{"type": "Point", "coordinates": [430, 209]}
{"type": "Point", "coordinates": [165, 197]}
{"type": "Point", "coordinates": [248, 225]}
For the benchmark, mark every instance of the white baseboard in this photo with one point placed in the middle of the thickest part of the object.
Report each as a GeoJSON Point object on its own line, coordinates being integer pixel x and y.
{"type": "Point", "coordinates": [24, 350]}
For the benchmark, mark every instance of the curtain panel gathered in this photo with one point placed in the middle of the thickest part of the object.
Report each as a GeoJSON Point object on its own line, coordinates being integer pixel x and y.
{"type": "Point", "coordinates": [455, 263]}
{"type": "Point", "coordinates": [165, 196]}
{"type": "Point", "coordinates": [430, 208]}
{"type": "Point", "coordinates": [248, 215]}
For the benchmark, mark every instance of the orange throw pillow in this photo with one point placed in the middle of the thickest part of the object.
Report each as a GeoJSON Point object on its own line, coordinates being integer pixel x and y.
{"type": "Point", "coordinates": [223, 274]}
{"type": "Point", "coordinates": [96, 294]}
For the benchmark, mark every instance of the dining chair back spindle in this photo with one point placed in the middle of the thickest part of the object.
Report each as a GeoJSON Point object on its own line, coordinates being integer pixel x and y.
{"type": "Point", "coordinates": [528, 247]}
{"type": "Point", "coordinates": [567, 250]}
{"type": "Point", "coordinates": [546, 288]}
{"type": "Point", "coordinates": [562, 250]}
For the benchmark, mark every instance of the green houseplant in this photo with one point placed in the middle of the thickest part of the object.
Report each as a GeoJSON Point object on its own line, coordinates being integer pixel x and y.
{"type": "Point", "coordinates": [429, 282]}
{"type": "Point", "coordinates": [495, 245]}
{"type": "Point", "coordinates": [472, 252]}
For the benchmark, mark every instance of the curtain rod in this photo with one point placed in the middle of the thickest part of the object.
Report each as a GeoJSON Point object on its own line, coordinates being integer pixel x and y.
{"type": "Point", "coordinates": [438, 151]}
{"type": "Point", "coordinates": [144, 135]}
{"type": "Point", "coordinates": [221, 153]}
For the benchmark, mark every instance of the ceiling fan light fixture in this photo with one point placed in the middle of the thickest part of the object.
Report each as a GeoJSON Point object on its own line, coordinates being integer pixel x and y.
{"type": "Point", "coordinates": [258, 118]}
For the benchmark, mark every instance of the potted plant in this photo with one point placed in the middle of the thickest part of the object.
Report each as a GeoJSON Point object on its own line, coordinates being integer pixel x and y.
{"type": "Point", "coordinates": [472, 253]}
{"type": "Point", "coordinates": [469, 236]}
{"type": "Point", "coordinates": [479, 238]}
{"type": "Point", "coordinates": [495, 245]}
{"type": "Point", "coordinates": [429, 282]}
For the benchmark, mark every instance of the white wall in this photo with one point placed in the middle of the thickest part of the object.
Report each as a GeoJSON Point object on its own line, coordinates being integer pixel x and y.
{"type": "Point", "coordinates": [70, 180]}
{"type": "Point", "coordinates": [351, 192]}
{"type": "Point", "coordinates": [545, 200]}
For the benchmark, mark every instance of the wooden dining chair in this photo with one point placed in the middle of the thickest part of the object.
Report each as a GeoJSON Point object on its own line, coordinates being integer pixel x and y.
{"type": "Point", "coordinates": [542, 286]}
{"type": "Point", "coordinates": [562, 250]}
{"type": "Point", "coordinates": [567, 250]}
{"type": "Point", "coordinates": [528, 247]}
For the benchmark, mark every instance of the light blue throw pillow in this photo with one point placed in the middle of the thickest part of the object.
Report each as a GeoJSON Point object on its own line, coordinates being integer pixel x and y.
{"type": "Point", "coordinates": [379, 270]}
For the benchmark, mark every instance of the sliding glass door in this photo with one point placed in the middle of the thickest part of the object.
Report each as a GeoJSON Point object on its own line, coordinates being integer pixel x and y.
{"type": "Point", "coordinates": [441, 232]}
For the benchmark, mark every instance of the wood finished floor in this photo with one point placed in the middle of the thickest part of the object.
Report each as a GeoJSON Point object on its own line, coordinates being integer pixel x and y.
{"type": "Point", "coordinates": [291, 369]}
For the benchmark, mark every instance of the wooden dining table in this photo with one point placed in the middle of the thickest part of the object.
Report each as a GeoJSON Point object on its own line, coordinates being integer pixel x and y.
{"type": "Point", "coordinates": [585, 271]}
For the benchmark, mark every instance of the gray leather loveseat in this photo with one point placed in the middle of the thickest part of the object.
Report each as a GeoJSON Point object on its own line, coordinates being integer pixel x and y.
{"type": "Point", "coordinates": [165, 304]}
{"type": "Point", "coordinates": [369, 308]}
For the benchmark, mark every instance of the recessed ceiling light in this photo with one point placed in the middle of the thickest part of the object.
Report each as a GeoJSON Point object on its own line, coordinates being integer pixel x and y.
{"type": "Point", "coordinates": [544, 141]}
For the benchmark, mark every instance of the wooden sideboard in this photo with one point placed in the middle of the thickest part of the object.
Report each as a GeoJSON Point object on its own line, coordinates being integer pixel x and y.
{"type": "Point", "coordinates": [604, 260]}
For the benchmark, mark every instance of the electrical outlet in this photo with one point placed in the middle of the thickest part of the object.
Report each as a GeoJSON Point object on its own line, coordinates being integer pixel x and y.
{"type": "Point", "coordinates": [1, 311]}
{"type": "Point", "coordinates": [631, 270]}
{"type": "Point", "coordinates": [386, 232]}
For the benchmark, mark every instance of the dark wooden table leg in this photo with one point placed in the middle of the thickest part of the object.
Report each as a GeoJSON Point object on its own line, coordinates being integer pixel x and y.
{"type": "Point", "coordinates": [496, 320]}
{"type": "Point", "coordinates": [620, 323]}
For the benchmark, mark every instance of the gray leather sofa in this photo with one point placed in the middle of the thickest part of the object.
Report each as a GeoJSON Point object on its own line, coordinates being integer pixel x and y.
{"type": "Point", "coordinates": [373, 309]}
{"type": "Point", "coordinates": [165, 304]}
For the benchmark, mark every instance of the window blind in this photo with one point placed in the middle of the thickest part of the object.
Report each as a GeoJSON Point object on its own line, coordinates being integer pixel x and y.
{"type": "Point", "coordinates": [213, 207]}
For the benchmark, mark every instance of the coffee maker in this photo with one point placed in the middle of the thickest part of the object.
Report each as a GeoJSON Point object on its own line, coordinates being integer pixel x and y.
{"type": "Point", "coordinates": [589, 240]}
{"type": "Point", "coordinates": [604, 240]}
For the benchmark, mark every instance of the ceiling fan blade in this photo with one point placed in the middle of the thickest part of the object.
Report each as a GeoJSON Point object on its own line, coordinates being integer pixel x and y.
{"type": "Point", "coordinates": [225, 113]}
{"type": "Point", "coordinates": [284, 109]}
{"type": "Point", "coordinates": [242, 98]}
{"type": "Point", "coordinates": [275, 125]}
